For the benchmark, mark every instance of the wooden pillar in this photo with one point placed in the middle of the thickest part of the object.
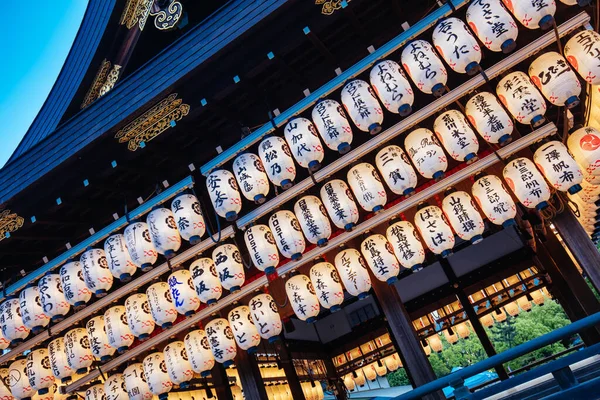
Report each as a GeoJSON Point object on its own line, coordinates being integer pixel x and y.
{"type": "Point", "coordinates": [334, 378]}
{"type": "Point", "coordinates": [285, 359]}
{"type": "Point", "coordinates": [221, 382]}
{"type": "Point", "coordinates": [250, 377]}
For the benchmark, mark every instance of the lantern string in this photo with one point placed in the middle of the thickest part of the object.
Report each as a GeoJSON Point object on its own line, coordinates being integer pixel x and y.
{"type": "Point", "coordinates": [558, 42]}
{"type": "Point", "coordinates": [101, 373]}
{"type": "Point", "coordinates": [312, 177]}
{"type": "Point", "coordinates": [247, 264]}
{"type": "Point", "coordinates": [285, 303]}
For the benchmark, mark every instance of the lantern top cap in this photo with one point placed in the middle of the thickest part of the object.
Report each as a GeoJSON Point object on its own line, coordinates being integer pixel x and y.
{"type": "Point", "coordinates": [449, 190]}
{"type": "Point", "coordinates": [422, 205]}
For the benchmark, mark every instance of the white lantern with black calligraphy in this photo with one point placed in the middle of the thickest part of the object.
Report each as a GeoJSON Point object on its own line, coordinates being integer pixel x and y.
{"type": "Point", "coordinates": [183, 292]}
{"type": "Point", "coordinates": [77, 349]}
{"type": "Point", "coordinates": [228, 261]}
{"type": "Point", "coordinates": [251, 177]}
{"type": "Point", "coordinates": [559, 167]}
{"type": "Point", "coordinates": [381, 259]}
{"type": "Point", "coordinates": [426, 153]}
{"type": "Point", "coordinates": [114, 387]}
{"type": "Point", "coordinates": [199, 353]}
{"type": "Point", "coordinates": [366, 185]}
{"type": "Point", "coordinates": [39, 371]}
{"type": "Point", "coordinates": [494, 200]}
{"type": "Point", "coordinates": [457, 46]}
{"type": "Point", "coordinates": [407, 246]}
{"type": "Point", "coordinates": [117, 330]}
{"type": "Point", "coordinates": [456, 135]}
{"type": "Point", "coordinates": [139, 317]}
{"type": "Point", "coordinates": [397, 171]}
{"type": "Point", "coordinates": [161, 305]}
{"type": "Point", "coordinates": [52, 297]}
{"type": "Point", "coordinates": [155, 371]}
{"type": "Point", "coordinates": [339, 203]}
{"type": "Point", "coordinates": [302, 297]}
{"type": "Point", "coordinates": [221, 340]}
{"type": "Point", "coordinates": [136, 382]}
{"type": "Point", "coordinates": [522, 99]}
{"type": "Point", "coordinates": [462, 213]}
{"type": "Point", "coordinates": [206, 280]}
{"type": "Point", "coordinates": [32, 312]}
{"type": "Point", "coordinates": [488, 117]}
{"type": "Point", "coordinates": [362, 106]}
{"type": "Point", "coordinates": [265, 316]}
{"type": "Point", "coordinates": [262, 248]}
{"type": "Point", "coordinates": [288, 234]}
{"type": "Point", "coordinates": [332, 124]}
{"type": "Point", "coordinates": [584, 144]}
{"type": "Point", "coordinates": [178, 365]}
{"type": "Point", "coordinates": [96, 274]}
{"type": "Point", "coordinates": [5, 393]}
{"type": "Point", "coordinates": [244, 331]}
{"type": "Point", "coordinates": [493, 25]}
{"type": "Point", "coordinates": [188, 217]}
{"type": "Point", "coordinates": [224, 194]}
{"type": "Point", "coordinates": [17, 380]}
{"type": "Point", "coordinates": [13, 328]}
{"type": "Point", "coordinates": [59, 361]}
{"type": "Point", "coordinates": [352, 269]}
{"type": "Point", "coordinates": [424, 67]}
{"type": "Point", "coordinates": [139, 244]}
{"type": "Point", "coordinates": [117, 256]}
{"type": "Point", "coordinates": [95, 392]}
{"type": "Point", "coordinates": [277, 158]}
{"type": "Point", "coordinates": [533, 14]}
{"type": "Point", "coordinates": [552, 75]}
{"type": "Point", "coordinates": [163, 231]}
{"type": "Point", "coordinates": [313, 220]}
{"type": "Point", "coordinates": [582, 51]}
{"type": "Point", "coordinates": [98, 340]}
{"type": "Point", "coordinates": [392, 87]}
{"type": "Point", "coordinates": [303, 140]}
{"type": "Point", "coordinates": [434, 229]}
{"type": "Point", "coordinates": [74, 288]}
{"type": "Point", "coordinates": [527, 183]}
{"type": "Point", "coordinates": [327, 284]}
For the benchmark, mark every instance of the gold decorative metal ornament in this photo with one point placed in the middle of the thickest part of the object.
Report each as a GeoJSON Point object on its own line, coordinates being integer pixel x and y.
{"type": "Point", "coordinates": [169, 17]}
{"type": "Point", "coordinates": [329, 6]}
{"type": "Point", "coordinates": [110, 81]}
{"type": "Point", "coordinates": [136, 13]}
{"type": "Point", "coordinates": [153, 122]}
{"type": "Point", "coordinates": [9, 223]}
{"type": "Point", "coordinates": [99, 80]}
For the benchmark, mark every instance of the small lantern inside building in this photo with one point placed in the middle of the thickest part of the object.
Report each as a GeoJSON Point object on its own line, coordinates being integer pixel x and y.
{"type": "Point", "coordinates": [183, 292]}
{"type": "Point", "coordinates": [327, 284]}
{"type": "Point", "coordinates": [228, 261]}
{"type": "Point", "coordinates": [302, 297]}
{"type": "Point", "coordinates": [140, 247]}
{"type": "Point", "coordinates": [199, 353]}
{"type": "Point", "coordinates": [303, 140]}
{"type": "Point", "coordinates": [434, 229]}
{"type": "Point", "coordinates": [494, 200]}
{"type": "Point", "coordinates": [493, 25]}
{"type": "Point", "coordinates": [161, 305]}
{"type": "Point", "coordinates": [221, 340]}
{"type": "Point", "coordinates": [407, 246]}
{"type": "Point", "coordinates": [331, 122]}
{"type": "Point", "coordinates": [552, 75]}
{"type": "Point", "coordinates": [367, 187]}
{"type": "Point", "coordinates": [244, 331]}
{"type": "Point", "coordinates": [522, 99]}
{"type": "Point", "coordinates": [262, 248]}
{"type": "Point", "coordinates": [96, 274]}
{"type": "Point", "coordinates": [489, 118]}
{"type": "Point", "coordinates": [381, 259]}
{"type": "Point", "coordinates": [313, 220]}
{"type": "Point", "coordinates": [251, 177]}
{"type": "Point", "coordinates": [339, 203]}
{"type": "Point", "coordinates": [352, 269]}
{"type": "Point", "coordinates": [458, 47]}
{"type": "Point", "coordinates": [559, 167]}
{"type": "Point", "coordinates": [277, 159]}
{"type": "Point", "coordinates": [119, 260]}
{"type": "Point", "coordinates": [424, 67]}
{"type": "Point", "coordinates": [463, 215]}
{"type": "Point", "coordinates": [426, 153]}
{"type": "Point", "coordinates": [265, 316]}
{"type": "Point", "coordinates": [224, 194]}
{"type": "Point", "coordinates": [397, 171]}
{"type": "Point", "coordinates": [361, 104]}
{"type": "Point", "coordinates": [206, 280]}
{"type": "Point", "coordinates": [527, 183]}
{"type": "Point", "coordinates": [392, 87]}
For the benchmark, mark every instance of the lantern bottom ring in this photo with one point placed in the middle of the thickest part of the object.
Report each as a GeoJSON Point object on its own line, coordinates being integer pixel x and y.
{"type": "Point", "coordinates": [146, 267]}
{"type": "Point", "coordinates": [252, 350]}
{"type": "Point", "coordinates": [260, 199]}
{"type": "Point", "coordinates": [234, 289]}
{"type": "Point", "coordinates": [363, 295]}
{"type": "Point", "coordinates": [374, 129]}
{"type": "Point", "coordinates": [349, 226]}
{"type": "Point", "coordinates": [322, 242]}
{"type": "Point", "coordinates": [184, 385]}
{"type": "Point", "coordinates": [205, 374]}
{"type": "Point", "coordinates": [286, 184]}
{"type": "Point", "coordinates": [144, 336]}
{"type": "Point", "coordinates": [408, 192]}
{"type": "Point", "coordinates": [195, 239]}
{"type": "Point", "coordinates": [438, 89]}
{"type": "Point", "coordinates": [537, 121]}
{"type": "Point", "coordinates": [446, 253]}
{"type": "Point", "coordinates": [376, 209]}
{"type": "Point", "coordinates": [37, 329]}
{"type": "Point", "coordinates": [575, 188]}
{"type": "Point", "coordinates": [476, 239]}
{"type": "Point", "coordinates": [509, 222]}
{"type": "Point", "coordinates": [335, 309]}
{"type": "Point", "coordinates": [58, 318]}
{"type": "Point", "coordinates": [391, 280]}
{"type": "Point", "coordinates": [343, 148]}
{"type": "Point", "coordinates": [296, 256]}
{"type": "Point", "coordinates": [472, 68]}
{"type": "Point", "coordinates": [404, 110]}
{"type": "Point", "coordinates": [416, 267]}
{"type": "Point", "coordinates": [166, 325]}
{"type": "Point", "coordinates": [572, 101]}
{"type": "Point", "coordinates": [314, 165]}
{"type": "Point", "coordinates": [81, 371]}
{"type": "Point", "coordinates": [171, 253]}
{"type": "Point", "coordinates": [211, 302]}
{"type": "Point", "coordinates": [126, 277]}
{"type": "Point", "coordinates": [438, 175]}
{"type": "Point", "coordinates": [311, 320]}
{"type": "Point", "coordinates": [66, 380]}
{"type": "Point", "coordinates": [542, 205]}
{"type": "Point", "coordinates": [43, 391]}
{"type": "Point", "coordinates": [274, 339]}
{"type": "Point", "coordinates": [122, 349]}
{"type": "Point", "coordinates": [105, 358]}
{"type": "Point", "coordinates": [269, 270]}
{"type": "Point", "coordinates": [508, 46]}
{"type": "Point", "coordinates": [469, 158]}
{"type": "Point", "coordinates": [228, 363]}
{"type": "Point", "coordinates": [189, 313]}
{"type": "Point", "coordinates": [100, 293]}
{"type": "Point", "coordinates": [163, 396]}
{"type": "Point", "coordinates": [505, 139]}
{"type": "Point", "coordinates": [546, 22]}
{"type": "Point", "coordinates": [231, 216]}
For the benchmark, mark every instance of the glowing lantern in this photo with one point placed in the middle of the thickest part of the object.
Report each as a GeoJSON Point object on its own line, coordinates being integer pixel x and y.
{"type": "Point", "coordinates": [392, 362]}
{"type": "Point", "coordinates": [222, 343]}
{"type": "Point", "coordinates": [581, 51]}
{"type": "Point", "coordinates": [244, 331]}
{"type": "Point", "coordinates": [39, 371]}
{"type": "Point", "coordinates": [199, 353]}
{"type": "Point", "coordinates": [32, 312]}
{"type": "Point", "coordinates": [457, 137]}
{"type": "Point", "coordinates": [183, 292]}
{"type": "Point", "coordinates": [458, 47]}
{"type": "Point", "coordinates": [464, 217]}
{"type": "Point", "coordinates": [161, 305]}
{"type": "Point", "coordinates": [349, 382]}
{"type": "Point", "coordinates": [559, 168]}
{"type": "Point", "coordinates": [313, 220]}
{"type": "Point", "coordinates": [136, 382]}
{"type": "Point", "coordinates": [499, 315]}
{"type": "Point", "coordinates": [114, 387]}
{"type": "Point", "coordinates": [584, 144]}
{"type": "Point", "coordinates": [206, 280]}
{"type": "Point", "coordinates": [538, 297]}
{"type": "Point", "coordinates": [527, 183]}
{"type": "Point", "coordinates": [406, 244]}
{"type": "Point", "coordinates": [188, 217]}
{"type": "Point", "coordinates": [118, 332]}
{"type": "Point", "coordinates": [326, 282]}
{"type": "Point", "coordinates": [277, 159]}
{"type": "Point", "coordinates": [117, 256]}
{"type": "Point", "coordinates": [139, 317]}
{"type": "Point", "coordinates": [95, 392]}
{"type": "Point", "coordinates": [451, 336]}
{"type": "Point", "coordinates": [263, 312]}
{"type": "Point", "coordinates": [512, 309]}
{"type": "Point", "coordinates": [380, 257]}
{"type": "Point", "coordinates": [361, 104]}
{"type": "Point", "coordinates": [424, 67]}
{"type": "Point", "coordinates": [489, 118]}
{"type": "Point", "coordinates": [17, 380]}
{"type": "Point", "coordinates": [370, 372]}
{"type": "Point", "coordinates": [552, 75]}
{"type": "Point", "coordinates": [331, 122]}
{"type": "Point", "coordinates": [302, 297]}
{"type": "Point", "coordinates": [224, 194]}
{"type": "Point", "coordinates": [74, 288]}
{"type": "Point", "coordinates": [426, 153]}
{"type": "Point", "coordinates": [339, 203]}
{"type": "Point", "coordinates": [462, 330]}
{"type": "Point", "coordinates": [434, 229]}
{"type": "Point", "coordinates": [11, 322]}
{"type": "Point", "coordinates": [140, 247]}
{"type": "Point", "coordinates": [367, 187]}
{"type": "Point", "coordinates": [397, 172]}
{"type": "Point", "coordinates": [494, 200]}
{"type": "Point", "coordinates": [96, 274]}
{"type": "Point", "coordinates": [359, 377]}
{"type": "Point", "coordinates": [487, 320]}
{"type": "Point", "coordinates": [262, 248]}
{"type": "Point", "coordinates": [435, 342]}
{"type": "Point", "coordinates": [77, 349]}
{"type": "Point", "coordinates": [251, 177]}
{"type": "Point", "coordinates": [163, 231]}
{"type": "Point", "coordinates": [532, 14]}
{"type": "Point", "coordinates": [178, 366]}
{"type": "Point", "coordinates": [98, 340]}
{"type": "Point", "coordinates": [493, 25]}
{"type": "Point", "coordinates": [155, 371]}
{"type": "Point", "coordinates": [352, 269]}
{"type": "Point", "coordinates": [522, 99]}
{"type": "Point", "coordinates": [58, 360]}
{"type": "Point", "coordinates": [288, 234]}
{"type": "Point", "coordinates": [301, 136]}
{"type": "Point", "coordinates": [5, 393]}
{"type": "Point", "coordinates": [392, 87]}
{"type": "Point", "coordinates": [228, 261]}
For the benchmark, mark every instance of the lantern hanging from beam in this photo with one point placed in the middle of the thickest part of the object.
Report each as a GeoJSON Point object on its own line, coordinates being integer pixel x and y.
{"type": "Point", "coordinates": [533, 14]}
{"type": "Point", "coordinates": [512, 309]}
{"type": "Point", "coordinates": [451, 336]}
{"type": "Point", "coordinates": [524, 304]}
{"type": "Point", "coordinates": [74, 288]}
{"type": "Point", "coordinates": [139, 317]}
{"type": "Point", "coordinates": [119, 260]}
{"type": "Point", "coordinates": [527, 183]}
{"type": "Point", "coordinates": [95, 392]}
{"type": "Point", "coordinates": [397, 171]}
{"type": "Point", "coordinates": [552, 75]}
{"type": "Point", "coordinates": [77, 349]}
{"type": "Point", "coordinates": [98, 340]}
{"type": "Point", "coordinates": [457, 46]}
{"type": "Point", "coordinates": [435, 342]}
{"type": "Point", "coordinates": [118, 332]}
{"type": "Point", "coordinates": [58, 360]}
{"type": "Point", "coordinates": [582, 53]}
{"type": "Point", "coordinates": [302, 297]}
{"type": "Point", "coordinates": [499, 315]}
{"type": "Point", "coordinates": [303, 140]}
{"type": "Point", "coordinates": [326, 282]}
{"type": "Point", "coordinates": [155, 371]}
{"type": "Point", "coordinates": [370, 372]}
{"type": "Point", "coordinates": [584, 144]}
{"type": "Point", "coordinates": [463, 216]}
{"type": "Point", "coordinates": [161, 305]}
{"type": "Point", "coordinates": [522, 99]}
{"type": "Point", "coordinates": [163, 231]}
{"type": "Point", "coordinates": [199, 353]}
{"type": "Point", "coordinates": [362, 106]}
{"type": "Point", "coordinates": [13, 328]}
{"type": "Point", "coordinates": [559, 167]}
{"type": "Point", "coordinates": [359, 377]}
{"type": "Point", "coordinates": [463, 330]}
{"type": "Point", "coordinates": [424, 67]}
{"type": "Point", "coordinates": [277, 158]}
{"type": "Point", "coordinates": [188, 217]}
{"type": "Point", "coordinates": [260, 243]}
{"type": "Point", "coordinates": [332, 124]}
{"type": "Point", "coordinates": [140, 247]}
{"type": "Point", "coordinates": [251, 177]}
{"type": "Point", "coordinates": [434, 229]}
{"type": "Point", "coordinates": [39, 371]}
{"type": "Point", "coordinates": [426, 153]}
{"type": "Point", "coordinates": [487, 320]}
{"type": "Point", "coordinates": [488, 117]}
{"type": "Point", "coordinates": [221, 340]}
{"type": "Point", "coordinates": [313, 220]}
{"type": "Point", "coordinates": [457, 137]}
{"type": "Point", "coordinates": [392, 362]}
{"type": "Point", "coordinates": [406, 244]}
{"type": "Point", "coordinates": [32, 312]}
{"type": "Point", "coordinates": [493, 25]}
{"type": "Point", "coordinates": [380, 257]}
{"type": "Point", "coordinates": [352, 269]}
{"type": "Point", "coordinates": [114, 387]}
{"type": "Point", "coordinates": [494, 200]}
{"type": "Point", "coordinates": [366, 185]}
{"type": "Point", "coordinates": [339, 203]}
{"type": "Point", "coordinates": [264, 314]}
{"type": "Point", "coordinates": [52, 297]}
{"type": "Point", "coordinates": [224, 194]}
{"type": "Point", "coordinates": [183, 292]}
{"type": "Point", "coordinates": [136, 382]}
{"type": "Point", "coordinates": [349, 382]}
{"type": "Point", "coordinates": [228, 261]}
{"type": "Point", "coordinates": [17, 380]}
{"type": "Point", "coordinates": [288, 234]}
{"type": "Point", "coordinates": [178, 365]}
{"type": "Point", "coordinates": [206, 280]}
{"type": "Point", "coordinates": [244, 331]}
{"type": "Point", "coordinates": [96, 274]}
{"type": "Point", "coordinates": [392, 87]}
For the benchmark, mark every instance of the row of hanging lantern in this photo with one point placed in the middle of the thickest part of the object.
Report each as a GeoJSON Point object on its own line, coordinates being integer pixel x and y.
{"type": "Point", "coordinates": [371, 371]}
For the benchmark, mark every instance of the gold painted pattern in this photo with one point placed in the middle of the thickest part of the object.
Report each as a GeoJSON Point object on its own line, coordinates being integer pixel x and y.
{"type": "Point", "coordinates": [169, 17]}
{"type": "Point", "coordinates": [136, 13]}
{"type": "Point", "coordinates": [329, 6]}
{"type": "Point", "coordinates": [9, 222]}
{"type": "Point", "coordinates": [99, 80]}
{"type": "Point", "coordinates": [111, 80]}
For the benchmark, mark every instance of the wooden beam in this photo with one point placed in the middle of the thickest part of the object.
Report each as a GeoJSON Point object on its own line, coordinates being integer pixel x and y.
{"type": "Point", "coordinates": [250, 377]}
{"type": "Point", "coordinates": [221, 382]}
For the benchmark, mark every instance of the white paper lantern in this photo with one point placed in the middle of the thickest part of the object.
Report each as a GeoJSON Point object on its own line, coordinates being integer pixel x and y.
{"type": "Point", "coordinates": [313, 220]}
{"type": "Point", "coordinates": [533, 14]}
{"type": "Point", "coordinates": [464, 217]}
{"type": "Point", "coordinates": [301, 136]}
{"type": "Point", "coordinates": [381, 259]}
{"type": "Point", "coordinates": [5, 393]}
{"type": "Point", "coordinates": [406, 244]}
{"type": "Point", "coordinates": [74, 288]}
{"type": "Point", "coordinates": [183, 292]}
{"type": "Point", "coordinates": [362, 106]}
{"type": "Point", "coordinates": [139, 317]}
{"type": "Point", "coordinates": [277, 158]}
{"type": "Point", "coordinates": [426, 153]}
{"type": "Point", "coordinates": [199, 353]}
{"type": "Point", "coordinates": [349, 382]}
{"type": "Point", "coordinates": [339, 203]}
{"type": "Point", "coordinates": [32, 312]}
{"type": "Point", "coordinates": [188, 217]}
{"type": "Point", "coordinates": [4, 343]}
{"type": "Point", "coordinates": [424, 67]}
{"type": "Point", "coordinates": [493, 25]}
{"type": "Point", "coordinates": [77, 349]}
{"type": "Point", "coordinates": [178, 365]}
{"type": "Point", "coordinates": [370, 372]}
{"type": "Point", "coordinates": [527, 183]}
{"type": "Point", "coordinates": [52, 297]}
{"type": "Point", "coordinates": [224, 194]}
{"type": "Point", "coordinates": [582, 52]}
{"type": "Point", "coordinates": [328, 286]}
{"type": "Point", "coordinates": [95, 392]}
{"type": "Point", "coordinates": [353, 273]}
{"type": "Point", "coordinates": [117, 256]}
{"type": "Point", "coordinates": [244, 331]}
{"type": "Point", "coordinates": [392, 362]}
{"type": "Point", "coordinates": [559, 167]}
{"type": "Point", "coordinates": [206, 280]}
{"type": "Point", "coordinates": [366, 185]}
{"type": "Point", "coordinates": [264, 314]}
{"type": "Point", "coordinates": [359, 377]}
{"type": "Point", "coordinates": [18, 381]}
{"type": "Point", "coordinates": [552, 75]}
{"type": "Point", "coordinates": [494, 200]}
{"type": "Point", "coordinates": [457, 137]}
{"type": "Point", "coordinates": [262, 248]}
{"type": "Point", "coordinates": [434, 230]}
{"type": "Point", "coordinates": [155, 370]}
{"type": "Point", "coordinates": [163, 231]}
{"type": "Point", "coordinates": [228, 261]}
{"type": "Point", "coordinates": [118, 332]}
{"type": "Point", "coordinates": [96, 274]}
{"type": "Point", "coordinates": [288, 234]}
{"type": "Point", "coordinates": [58, 360]}
{"type": "Point", "coordinates": [488, 117]}
{"type": "Point", "coordinates": [39, 371]}
{"type": "Point", "coordinates": [522, 99]}
{"type": "Point", "coordinates": [251, 177]}
{"type": "Point", "coordinates": [13, 328]}
{"type": "Point", "coordinates": [98, 340]}
{"type": "Point", "coordinates": [136, 382]}
{"type": "Point", "coordinates": [221, 340]}
{"type": "Point", "coordinates": [302, 297]}
{"type": "Point", "coordinates": [332, 124]}
{"type": "Point", "coordinates": [392, 87]}
{"type": "Point", "coordinates": [114, 387]}
{"type": "Point", "coordinates": [584, 144]}
{"type": "Point", "coordinates": [140, 247]}
{"type": "Point", "coordinates": [397, 171]}
{"type": "Point", "coordinates": [161, 305]}
{"type": "Point", "coordinates": [457, 46]}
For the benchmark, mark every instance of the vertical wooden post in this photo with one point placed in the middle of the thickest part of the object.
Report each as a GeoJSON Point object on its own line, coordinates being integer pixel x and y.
{"type": "Point", "coordinates": [250, 377]}
{"type": "Point", "coordinates": [333, 377]}
{"type": "Point", "coordinates": [221, 382]}
{"type": "Point", "coordinates": [285, 359]}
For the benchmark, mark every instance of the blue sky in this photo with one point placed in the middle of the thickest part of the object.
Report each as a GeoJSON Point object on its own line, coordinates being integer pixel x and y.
{"type": "Point", "coordinates": [35, 41]}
